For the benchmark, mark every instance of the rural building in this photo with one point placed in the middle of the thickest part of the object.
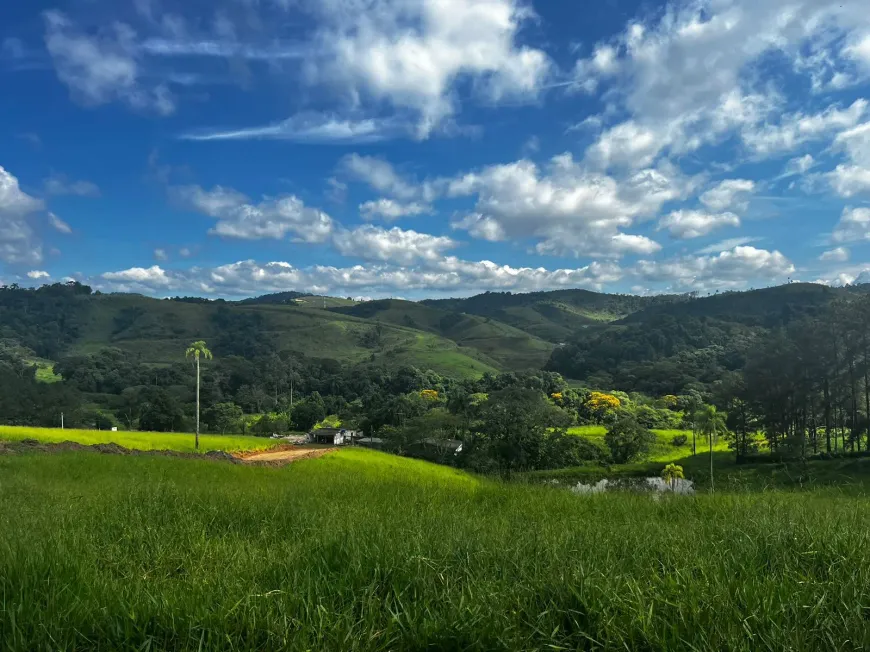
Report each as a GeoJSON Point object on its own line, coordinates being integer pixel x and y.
{"type": "Point", "coordinates": [333, 436]}
{"type": "Point", "coordinates": [371, 442]}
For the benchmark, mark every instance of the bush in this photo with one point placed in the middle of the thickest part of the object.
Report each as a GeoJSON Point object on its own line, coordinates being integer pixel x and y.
{"type": "Point", "coordinates": [660, 418]}
{"type": "Point", "coordinates": [627, 439]}
{"type": "Point", "coordinates": [308, 412]}
{"type": "Point", "coordinates": [269, 424]}
{"type": "Point", "coordinates": [679, 440]}
{"type": "Point", "coordinates": [96, 419]}
{"type": "Point", "coordinates": [560, 451]}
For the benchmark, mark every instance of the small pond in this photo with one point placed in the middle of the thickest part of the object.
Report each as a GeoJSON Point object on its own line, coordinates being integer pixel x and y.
{"type": "Point", "coordinates": [651, 485]}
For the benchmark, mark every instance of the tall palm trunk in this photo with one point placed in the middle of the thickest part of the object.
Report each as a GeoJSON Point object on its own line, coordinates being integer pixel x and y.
{"type": "Point", "coordinates": [712, 488]}
{"type": "Point", "coordinates": [197, 403]}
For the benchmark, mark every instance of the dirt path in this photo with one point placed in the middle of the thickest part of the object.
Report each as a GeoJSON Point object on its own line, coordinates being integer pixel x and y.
{"type": "Point", "coordinates": [286, 455]}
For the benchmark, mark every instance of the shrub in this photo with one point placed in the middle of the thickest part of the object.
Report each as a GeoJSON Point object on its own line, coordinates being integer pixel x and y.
{"type": "Point", "coordinates": [627, 439]}
{"type": "Point", "coordinates": [679, 440]}
{"type": "Point", "coordinates": [271, 423]}
{"type": "Point", "coordinates": [560, 450]}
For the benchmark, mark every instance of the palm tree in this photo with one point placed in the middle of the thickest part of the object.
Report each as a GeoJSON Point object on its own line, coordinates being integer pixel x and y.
{"type": "Point", "coordinates": [710, 423]}
{"type": "Point", "coordinates": [196, 350]}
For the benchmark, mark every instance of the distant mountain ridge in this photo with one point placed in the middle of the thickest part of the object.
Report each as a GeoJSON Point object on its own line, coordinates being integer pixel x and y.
{"type": "Point", "coordinates": [621, 341]}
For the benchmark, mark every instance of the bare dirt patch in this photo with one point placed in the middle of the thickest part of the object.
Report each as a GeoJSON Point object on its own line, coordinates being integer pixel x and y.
{"type": "Point", "coordinates": [285, 455]}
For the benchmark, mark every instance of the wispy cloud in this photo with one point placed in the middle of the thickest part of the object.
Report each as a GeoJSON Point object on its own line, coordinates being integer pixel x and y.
{"type": "Point", "coordinates": [726, 245]}
{"type": "Point", "coordinates": [312, 128]}
{"type": "Point", "coordinates": [59, 184]}
{"type": "Point", "coordinates": [226, 49]}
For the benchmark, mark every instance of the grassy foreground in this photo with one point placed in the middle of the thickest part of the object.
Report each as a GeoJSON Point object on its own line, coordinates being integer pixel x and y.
{"type": "Point", "coordinates": [143, 441]}
{"type": "Point", "coordinates": [364, 551]}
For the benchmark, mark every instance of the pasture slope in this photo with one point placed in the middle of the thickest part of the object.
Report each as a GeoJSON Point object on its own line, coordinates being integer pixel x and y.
{"type": "Point", "coordinates": [143, 441]}
{"type": "Point", "coordinates": [360, 550]}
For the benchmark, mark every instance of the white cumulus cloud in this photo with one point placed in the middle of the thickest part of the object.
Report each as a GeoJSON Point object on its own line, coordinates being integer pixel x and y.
{"type": "Point", "coordinates": [390, 209]}
{"type": "Point", "coordinates": [136, 277]}
{"type": "Point", "coordinates": [837, 255]}
{"type": "Point", "coordinates": [736, 268]}
{"type": "Point", "coordinates": [391, 245]}
{"type": "Point", "coordinates": [248, 278]}
{"type": "Point", "coordinates": [411, 55]}
{"type": "Point", "coordinates": [19, 243]}
{"type": "Point", "coordinates": [729, 194]}
{"type": "Point", "coordinates": [685, 224]}
{"type": "Point", "coordinates": [854, 225]}
{"type": "Point", "coordinates": [274, 217]}
{"type": "Point", "coordinates": [565, 206]}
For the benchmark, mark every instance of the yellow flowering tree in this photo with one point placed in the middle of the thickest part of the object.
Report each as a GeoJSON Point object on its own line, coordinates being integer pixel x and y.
{"type": "Point", "coordinates": [598, 407]}
{"type": "Point", "coordinates": [429, 394]}
{"type": "Point", "coordinates": [600, 402]}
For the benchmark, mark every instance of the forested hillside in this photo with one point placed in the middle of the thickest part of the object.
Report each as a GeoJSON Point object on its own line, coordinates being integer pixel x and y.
{"type": "Point", "coordinates": [156, 331]}
{"type": "Point", "coordinates": [553, 316]}
{"type": "Point", "coordinates": [509, 347]}
{"type": "Point", "coordinates": [673, 347]}
{"type": "Point", "coordinates": [656, 345]}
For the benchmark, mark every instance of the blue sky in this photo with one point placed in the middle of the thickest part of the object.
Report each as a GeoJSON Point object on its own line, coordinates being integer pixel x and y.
{"type": "Point", "coordinates": [418, 148]}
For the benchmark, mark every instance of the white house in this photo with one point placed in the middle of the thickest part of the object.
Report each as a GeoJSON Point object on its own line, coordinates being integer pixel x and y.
{"type": "Point", "coordinates": [332, 436]}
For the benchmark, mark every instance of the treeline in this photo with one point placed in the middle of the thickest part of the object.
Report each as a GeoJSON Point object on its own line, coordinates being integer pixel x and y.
{"type": "Point", "coordinates": [661, 355]}
{"type": "Point", "coordinates": [690, 345]}
{"type": "Point", "coordinates": [46, 319]}
{"type": "Point", "coordinates": [519, 422]}
{"type": "Point", "coordinates": [806, 385]}
{"type": "Point", "coordinates": [23, 400]}
{"type": "Point", "coordinates": [492, 303]}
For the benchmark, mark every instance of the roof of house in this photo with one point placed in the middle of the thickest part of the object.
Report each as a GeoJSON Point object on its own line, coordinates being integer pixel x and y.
{"type": "Point", "coordinates": [326, 432]}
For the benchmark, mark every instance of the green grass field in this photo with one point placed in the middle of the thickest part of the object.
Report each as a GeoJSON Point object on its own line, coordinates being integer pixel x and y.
{"type": "Point", "coordinates": [144, 441]}
{"type": "Point", "coordinates": [45, 371]}
{"type": "Point", "coordinates": [663, 450]}
{"type": "Point", "coordinates": [364, 551]}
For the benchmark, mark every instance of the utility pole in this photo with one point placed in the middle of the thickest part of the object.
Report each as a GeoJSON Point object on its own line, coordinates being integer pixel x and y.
{"type": "Point", "coordinates": [61, 420]}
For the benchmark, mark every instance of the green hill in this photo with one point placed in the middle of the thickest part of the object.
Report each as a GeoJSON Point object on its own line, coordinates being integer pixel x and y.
{"type": "Point", "coordinates": [552, 316]}
{"type": "Point", "coordinates": [158, 330]}
{"type": "Point", "coordinates": [507, 346]}
{"type": "Point", "coordinates": [767, 307]}
{"type": "Point", "coordinates": [669, 348]}
{"type": "Point", "coordinates": [617, 341]}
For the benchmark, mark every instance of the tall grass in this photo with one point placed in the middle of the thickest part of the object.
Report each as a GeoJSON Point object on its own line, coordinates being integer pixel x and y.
{"type": "Point", "coordinates": [144, 441]}
{"type": "Point", "coordinates": [363, 551]}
